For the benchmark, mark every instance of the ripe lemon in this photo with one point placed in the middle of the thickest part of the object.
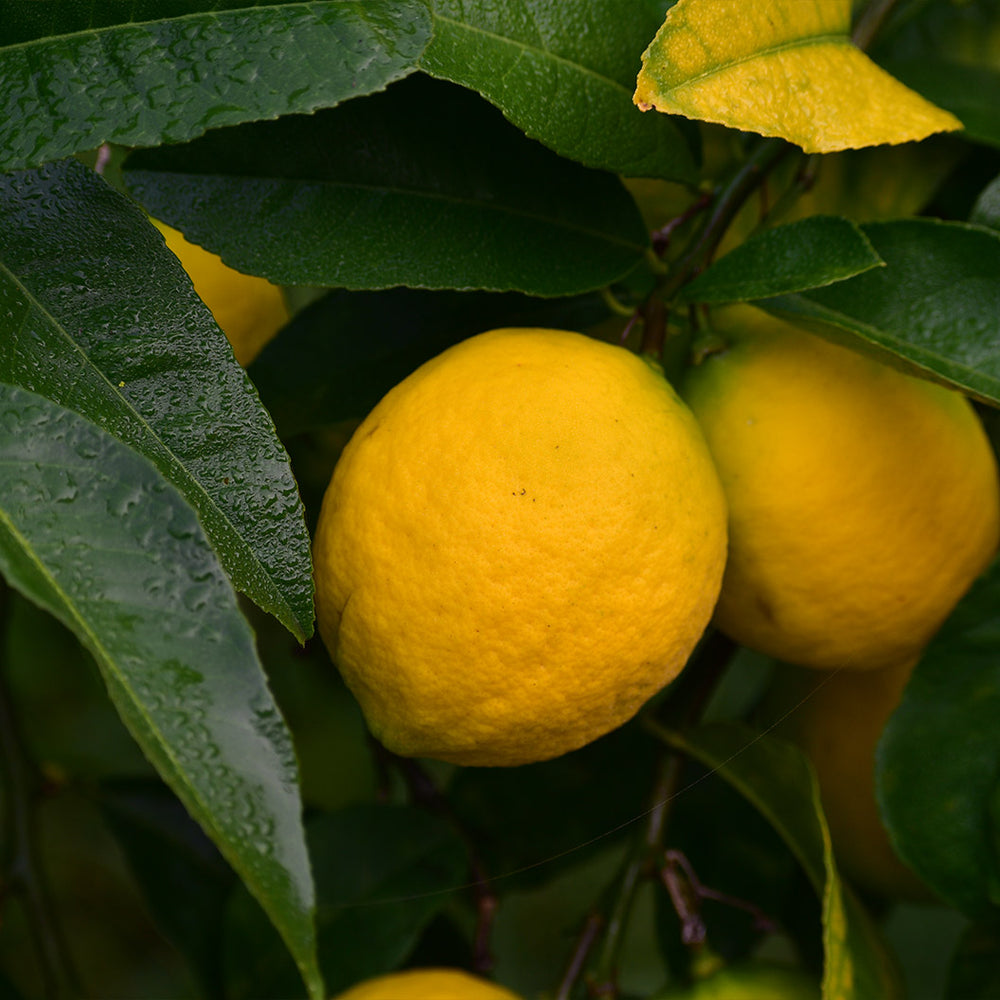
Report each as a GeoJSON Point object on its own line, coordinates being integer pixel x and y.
{"type": "Point", "coordinates": [749, 981]}
{"type": "Point", "coordinates": [862, 502]}
{"type": "Point", "coordinates": [837, 725]}
{"type": "Point", "coordinates": [520, 544]}
{"type": "Point", "coordinates": [427, 984]}
{"type": "Point", "coordinates": [249, 309]}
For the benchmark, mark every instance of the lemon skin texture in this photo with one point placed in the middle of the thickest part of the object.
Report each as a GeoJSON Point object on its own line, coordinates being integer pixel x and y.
{"type": "Point", "coordinates": [427, 984]}
{"type": "Point", "coordinates": [749, 981]}
{"type": "Point", "coordinates": [521, 543]}
{"type": "Point", "coordinates": [862, 502]}
{"type": "Point", "coordinates": [249, 309]}
{"type": "Point", "coordinates": [837, 724]}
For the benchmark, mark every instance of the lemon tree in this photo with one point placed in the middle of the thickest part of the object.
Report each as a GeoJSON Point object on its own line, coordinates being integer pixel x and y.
{"type": "Point", "coordinates": [524, 519]}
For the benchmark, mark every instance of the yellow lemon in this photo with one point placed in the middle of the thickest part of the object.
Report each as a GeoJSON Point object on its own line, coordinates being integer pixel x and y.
{"type": "Point", "coordinates": [862, 502]}
{"type": "Point", "coordinates": [520, 544]}
{"type": "Point", "coordinates": [749, 981]}
{"type": "Point", "coordinates": [249, 309]}
{"type": "Point", "coordinates": [427, 984]}
{"type": "Point", "coordinates": [837, 722]}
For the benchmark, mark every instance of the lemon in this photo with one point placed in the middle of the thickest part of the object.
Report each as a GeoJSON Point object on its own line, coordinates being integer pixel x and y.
{"type": "Point", "coordinates": [249, 310]}
{"type": "Point", "coordinates": [862, 502]}
{"type": "Point", "coordinates": [427, 984]}
{"type": "Point", "coordinates": [749, 981]}
{"type": "Point", "coordinates": [837, 725]}
{"type": "Point", "coordinates": [520, 544]}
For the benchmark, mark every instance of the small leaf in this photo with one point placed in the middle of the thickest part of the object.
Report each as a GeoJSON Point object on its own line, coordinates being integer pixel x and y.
{"type": "Point", "coordinates": [783, 68]}
{"type": "Point", "coordinates": [67, 86]}
{"type": "Point", "coordinates": [378, 193]}
{"type": "Point", "coordinates": [934, 309]}
{"type": "Point", "coordinates": [90, 531]}
{"type": "Point", "coordinates": [986, 211]}
{"type": "Point", "coordinates": [382, 872]}
{"type": "Point", "coordinates": [339, 356]}
{"type": "Point", "coordinates": [564, 74]}
{"type": "Point", "coordinates": [939, 757]}
{"type": "Point", "coordinates": [96, 314]}
{"type": "Point", "coordinates": [779, 781]}
{"type": "Point", "coordinates": [810, 253]}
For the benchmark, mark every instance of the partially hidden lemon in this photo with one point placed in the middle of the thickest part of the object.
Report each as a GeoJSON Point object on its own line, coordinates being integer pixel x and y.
{"type": "Point", "coordinates": [863, 502]}
{"type": "Point", "coordinates": [752, 980]}
{"type": "Point", "coordinates": [837, 723]}
{"type": "Point", "coordinates": [249, 309]}
{"type": "Point", "coordinates": [520, 544]}
{"type": "Point", "coordinates": [427, 984]}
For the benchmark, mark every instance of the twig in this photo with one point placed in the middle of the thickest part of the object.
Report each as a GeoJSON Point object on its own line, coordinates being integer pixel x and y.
{"type": "Point", "coordinates": [592, 927]}
{"type": "Point", "coordinates": [871, 21]}
{"type": "Point", "coordinates": [23, 873]}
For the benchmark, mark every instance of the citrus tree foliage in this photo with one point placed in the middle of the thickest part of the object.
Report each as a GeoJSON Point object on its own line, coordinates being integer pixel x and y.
{"type": "Point", "coordinates": [191, 805]}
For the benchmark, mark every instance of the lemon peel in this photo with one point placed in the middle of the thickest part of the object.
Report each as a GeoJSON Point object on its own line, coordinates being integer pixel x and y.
{"type": "Point", "coordinates": [427, 984]}
{"type": "Point", "coordinates": [520, 545]}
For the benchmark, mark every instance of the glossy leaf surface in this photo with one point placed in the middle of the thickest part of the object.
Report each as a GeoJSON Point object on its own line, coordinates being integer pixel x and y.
{"type": "Point", "coordinates": [564, 74]}
{"type": "Point", "coordinates": [986, 211]}
{"type": "Point", "coordinates": [96, 314]}
{"type": "Point", "coordinates": [784, 68]}
{"type": "Point", "coordinates": [90, 531]}
{"type": "Point", "coordinates": [74, 76]}
{"type": "Point", "coordinates": [934, 307]}
{"type": "Point", "coordinates": [939, 758]}
{"type": "Point", "coordinates": [816, 251]}
{"type": "Point", "coordinates": [377, 193]}
{"type": "Point", "coordinates": [778, 780]}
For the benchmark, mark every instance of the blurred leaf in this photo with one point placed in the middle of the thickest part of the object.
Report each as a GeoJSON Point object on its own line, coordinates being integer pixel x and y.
{"type": "Point", "coordinates": [564, 74]}
{"type": "Point", "coordinates": [97, 315]}
{"type": "Point", "coordinates": [972, 93]}
{"type": "Point", "coordinates": [380, 193]}
{"type": "Point", "coordinates": [90, 531]}
{"type": "Point", "coordinates": [184, 880]}
{"type": "Point", "coordinates": [934, 309]}
{"type": "Point", "coordinates": [813, 252]}
{"type": "Point", "coordinates": [73, 77]}
{"type": "Point", "coordinates": [778, 780]}
{"type": "Point", "coordinates": [939, 757]}
{"type": "Point", "coordinates": [784, 68]}
{"type": "Point", "coordinates": [975, 966]}
{"type": "Point", "coordinates": [339, 356]}
{"type": "Point", "coordinates": [986, 211]}
{"type": "Point", "coordinates": [382, 872]}
{"type": "Point", "coordinates": [526, 822]}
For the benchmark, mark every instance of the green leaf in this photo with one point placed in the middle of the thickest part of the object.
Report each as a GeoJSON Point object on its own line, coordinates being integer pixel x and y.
{"type": "Point", "coordinates": [813, 252]}
{"type": "Point", "coordinates": [986, 211]}
{"type": "Point", "coordinates": [934, 309]}
{"type": "Point", "coordinates": [96, 314]}
{"type": "Point", "coordinates": [970, 92]}
{"type": "Point", "coordinates": [339, 356]}
{"type": "Point", "coordinates": [379, 193]}
{"type": "Point", "coordinates": [185, 882]}
{"type": "Point", "coordinates": [564, 74]}
{"type": "Point", "coordinates": [90, 531]}
{"type": "Point", "coordinates": [70, 80]}
{"type": "Point", "coordinates": [975, 967]}
{"type": "Point", "coordinates": [382, 872]}
{"type": "Point", "coordinates": [779, 781]}
{"type": "Point", "coordinates": [939, 758]}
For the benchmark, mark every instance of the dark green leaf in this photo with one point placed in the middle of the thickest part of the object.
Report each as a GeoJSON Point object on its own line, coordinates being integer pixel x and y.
{"type": "Point", "coordinates": [71, 80]}
{"type": "Point", "coordinates": [96, 314]}
{"type": "Point", "coordinates": [90, 531]}
{"type": "Point", "coordinates": [778, 780]}
{"type": "Point", "coordinates": [338, 357]}
{"type": "Point", "coordinates": [970, 92]}
{"type": "Point", "coordinates": [986, 211]}
{"type": "Point", "coordinates": [564, 74]}
{"type": "Point", "coordinates": [938, 761]}
{"type": "Point", "coordinates": [184, 880]}
{"type": "Point", "coordinates": [934, 309]}
{"type": "Point", "coordinates": [382, 873]}
{"type": "Point", "coordinates": [813, 252]}
{"type": "Point", "coordinates": [379, 193]}
{"type": "Point", "coordinates": [975, 967]}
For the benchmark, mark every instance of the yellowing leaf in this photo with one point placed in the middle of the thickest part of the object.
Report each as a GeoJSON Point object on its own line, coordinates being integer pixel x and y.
{"type": "Point", "coordinates": [784, 68]}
